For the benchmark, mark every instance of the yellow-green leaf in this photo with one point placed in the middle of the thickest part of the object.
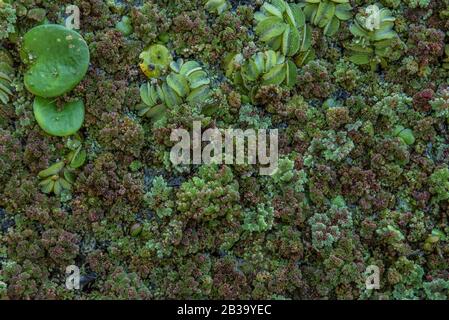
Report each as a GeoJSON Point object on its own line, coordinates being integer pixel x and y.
{"type": "Point", "coordinates": [52, 170]}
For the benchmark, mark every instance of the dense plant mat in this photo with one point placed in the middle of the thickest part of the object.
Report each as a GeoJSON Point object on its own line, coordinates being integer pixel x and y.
{"type": "Point", "coordinates": [358, 91]}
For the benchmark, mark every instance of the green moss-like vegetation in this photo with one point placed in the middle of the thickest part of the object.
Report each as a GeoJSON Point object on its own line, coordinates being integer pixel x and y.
{"type": "Point", "coordinates": [358, 91]}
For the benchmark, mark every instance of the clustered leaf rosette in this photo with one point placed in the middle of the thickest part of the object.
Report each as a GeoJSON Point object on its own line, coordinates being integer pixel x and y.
{"type": "Point", "coordinates": [283, 27]}
{"type": "Point", "coordinates": [374, 35]}
{"type": "Point", "coordinates": [217, 6]}
{"type": "Point", "coordinates": [56, 179]}
{"type": "Point", "coordinates": [187, 82]}
{"type": "Point", "coordinates": [327, 14]}
{"type": "Point", "coordinates": [155, 61]}
{"type": "Point", "coordinates": [6, 74]}
{"type": "Point", "coordinates": [262, 69]}
{"type": "Point", "coordinates": [60, 176]}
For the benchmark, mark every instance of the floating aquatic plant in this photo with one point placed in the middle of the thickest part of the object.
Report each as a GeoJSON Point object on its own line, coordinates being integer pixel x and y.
{"type": "Point", "coordinates": [302, 58]}
{"type": "Point", "coordinates": [58, 121]}
{"type": "Point", "coordinates": [56, 179]}
{"type": "Point", "coordinates": [217, 6]}
{"type": "Point", "coordinates": [57, 59]}
{"type": "Point", "coordinates": [374, 34]}
{"type": "Point", "coordinates": [446, 58]}
{"type": "Point", "coordinates": [187, 82]}
{"type": "Point", "coordinates": [125, 26]}
{"type": "Point", "coordinates": [263, 68]}
{"type": "Point", "coordinates": [7, 19]}
{"type": "Point", "coordinates": [406, 135]}
{"type": "Point", "coordinates": [60, 176]}
{"type": "Point", "coordinates": [155, 60]}
{"type": "Point", "coordinates": [77, 155]}
{"type": "Point", "coordinates": [6, 74]}
{"type": "Point", "coordinates": [327, 14]}
{"type": "Point", "coordinates": [283, 27]}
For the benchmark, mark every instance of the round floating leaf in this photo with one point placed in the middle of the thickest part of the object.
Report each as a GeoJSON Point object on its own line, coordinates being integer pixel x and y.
{"type": "Point", "coordinates": [343, 11]}
{"type": "Point", "coordinates": [60, 122]}
{"type": "Point", "coordinates": [58, 59]}
{"type": "Point", "coordinates": [156, 59]}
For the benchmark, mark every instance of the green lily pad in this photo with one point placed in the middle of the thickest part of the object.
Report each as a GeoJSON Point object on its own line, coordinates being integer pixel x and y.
{"type": "Point", "coordinates": [60, 122]}
{"type": "Point", "coordinates": [58, 60]}
{"type": "Point", "coordinates": [155, 60]}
